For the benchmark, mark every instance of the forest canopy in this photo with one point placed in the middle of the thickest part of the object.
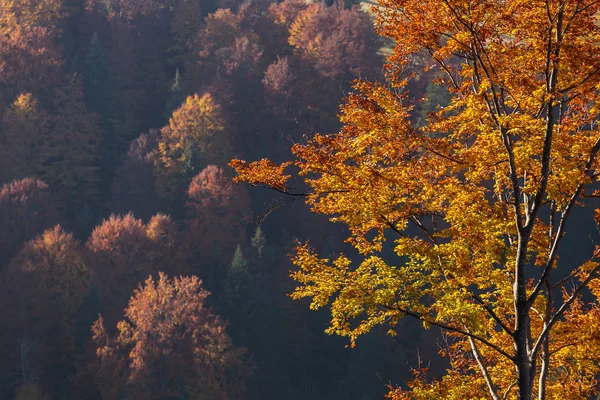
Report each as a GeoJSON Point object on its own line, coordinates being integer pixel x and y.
{"type": "Point", "coordinates": [453, 143]}
{"type": "Point", "coordinates": [117, 121]}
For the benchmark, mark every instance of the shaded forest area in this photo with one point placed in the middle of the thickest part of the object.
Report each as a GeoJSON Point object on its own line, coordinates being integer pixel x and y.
{"type": "Point", "coordinates": [118, 119]}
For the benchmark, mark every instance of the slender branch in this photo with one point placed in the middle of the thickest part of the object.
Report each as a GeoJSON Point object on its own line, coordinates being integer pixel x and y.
{"type": "Point", "coordinates": [392, 226]}
{"type": "Point", "coordinates": [453, 329]}
{"type": "Point", "coordinates": [556, 243]}
{"type": "Point", "coordinates": [514, 180]}
{"type": "Point", "coordinates": [581, 82]}
{"type": "Point", "coordinates": [484, 371]}
{"type": "Point", "coordinates": [418, 223]}
{"type": "Point", "coordinates": [562, 347]}
{"type": "Point", "coordinates": [592, 275]}
{"type": "Point", "coordinates": [492, 314]}
{"type": "Point", "coordinates": [507, 392]}
{"type": "Point", "coordinates": [545, 353]}
{"type": "Point", "coordinates": [550, 122]}
{"type": "Point", "coordinates": [454, 160]}
{"type": "Point", "coordinates": [562, 223]}
{"type": "Point", "coordinates": [443, 65]}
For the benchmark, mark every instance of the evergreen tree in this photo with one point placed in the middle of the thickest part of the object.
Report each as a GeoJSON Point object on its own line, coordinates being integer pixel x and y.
{"type": "Point", "coordinates": [238, 278]}
{"type": "Point", "coordinates": [176, 96]}
{"type": "Point", "coordinates": [96, 83]}
{"type": "Point", "coordinates": [241, 300]}
{"type": "Point", "coordinates": [71, 152]}
{"type": "Point", "coordinates": [96, 76]}
{"type": "Point", "coordinates": [259, 241]}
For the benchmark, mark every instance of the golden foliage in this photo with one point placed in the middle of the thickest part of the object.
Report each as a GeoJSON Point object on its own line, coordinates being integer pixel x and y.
{"type": "Point", "coordinates": [195, 137]}
{"type": "Point", "coordinates": [478, 198]}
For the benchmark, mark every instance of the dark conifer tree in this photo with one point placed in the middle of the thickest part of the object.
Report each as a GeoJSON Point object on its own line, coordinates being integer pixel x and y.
{"type": "Point", "coordinates": [95, 77]}
{"type": "Point", "coordinates": [176, 95]}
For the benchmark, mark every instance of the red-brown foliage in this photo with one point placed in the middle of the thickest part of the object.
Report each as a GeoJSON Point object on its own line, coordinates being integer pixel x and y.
{"type": "Point", "coordinates": [124, 251]}
{"type": "Point", "coordinates": [338, 42]}
{"type": "Point", "coordinates": [169, 345]}
{"type": "Point", "coordinates": [285, 13]}
{"type": "Point", "coordinates": [223, 47]}
{"type": "Point", "coordinates": [44, 286]}
{"type": "Point", "coordinates": [217, 209]}
{"type": "Point", "coordinates": [27, 207]}
{"type": "Point", "coordinates": [133, 188]}
{"type": "Point", "coordinates": [279, 83]}
{"type": "Point", "coordinates": [29, 61]}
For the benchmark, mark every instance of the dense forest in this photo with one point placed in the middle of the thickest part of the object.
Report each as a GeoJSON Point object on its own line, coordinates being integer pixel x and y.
{"type": "Point", "coordinates": [266, 199]}
{"type": "Point", "coordinates": [132, 267]}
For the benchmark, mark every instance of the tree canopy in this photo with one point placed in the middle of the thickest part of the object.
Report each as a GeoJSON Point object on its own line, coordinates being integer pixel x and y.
{"type": "Point", "coordinates": [478, 198]}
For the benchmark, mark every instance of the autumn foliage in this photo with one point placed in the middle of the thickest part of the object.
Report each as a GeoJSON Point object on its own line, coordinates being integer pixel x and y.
{"type": "Point", "coordinates": [169, 345]}
{"type": "Point", "coordinates": [194, 137]}
{"type": "Point", "coordinates": [123, 251]}
{"type": "Point", "coordinates": [217, 211]}
{"type": "Point", "coordinates": [27, 207]}
{"type": "Point", "coordinates": [43, 288]}
{"type": "Point", "coordinates": [80, 80]}
{"type": "Point", "coordinates": [474, 204]}
{"type": "Point", "coordinates": [339, 51]}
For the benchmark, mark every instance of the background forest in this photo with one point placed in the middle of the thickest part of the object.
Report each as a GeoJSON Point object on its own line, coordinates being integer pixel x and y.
{"type": "Point", "coordinates": [118, 119]}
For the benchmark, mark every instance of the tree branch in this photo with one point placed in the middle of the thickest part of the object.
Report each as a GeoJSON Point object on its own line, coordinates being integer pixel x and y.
{"type": "Point", "coordinates": [507, 392]}
{"type": "Point", "coordinates": [453, 329]}
{"type": "Point", "coordinates": [484, 371]}
{"type": "Point", "coordinates": [562, 223]}
{"type": "Point", "coordinates": [592, 275]}
{"type": "Point", "coordinates": [492, 314]}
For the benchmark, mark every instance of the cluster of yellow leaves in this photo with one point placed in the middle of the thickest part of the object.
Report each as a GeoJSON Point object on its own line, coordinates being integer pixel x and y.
{"type": "Point", "coordinates": [197, 121]}
{"type": "Point", "coordinates": [262, 172]}
{"type": "Point", "coordinates": [195, 137]}
{"type": "Point", "coordinates": [19, 14]}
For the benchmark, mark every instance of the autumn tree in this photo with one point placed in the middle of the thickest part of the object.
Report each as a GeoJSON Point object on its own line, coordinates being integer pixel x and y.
{"type": "Point", "coordinates": [326, 47]}
{"type": "Point", "coordinates": [133, 188]}
{"type": "Point", "coordinates": [30, 59]}
{"type": "Point", "coordinates": [176, 96]}
{"type": "Point", "coordinates": [171, 345]}
{"type": "Point", "coordinates": [23, 125]}
{"type": "Point", "coordinates": [194, 138]}
{"type": "Point", "coordinates": [336, 41]}
{"type": "Point", "coordinates": [479, 198]}
{"type": "Point", "coordinates": [278, 81]}
{"type": "Point", "coordinates": [217, 34]}
{"type": "Point", "coordinates": [123, 251]}
{"type": "Point", "coordinates": [287, 11]}
{"type": "Point", "coordinates": [216, 210]}
{"type": "Point", "coordinates": [42, 13]}
{"type": "Point", "coordinates": [44, 285]}
{"type": "Point", "coordinates": [27, 208]}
